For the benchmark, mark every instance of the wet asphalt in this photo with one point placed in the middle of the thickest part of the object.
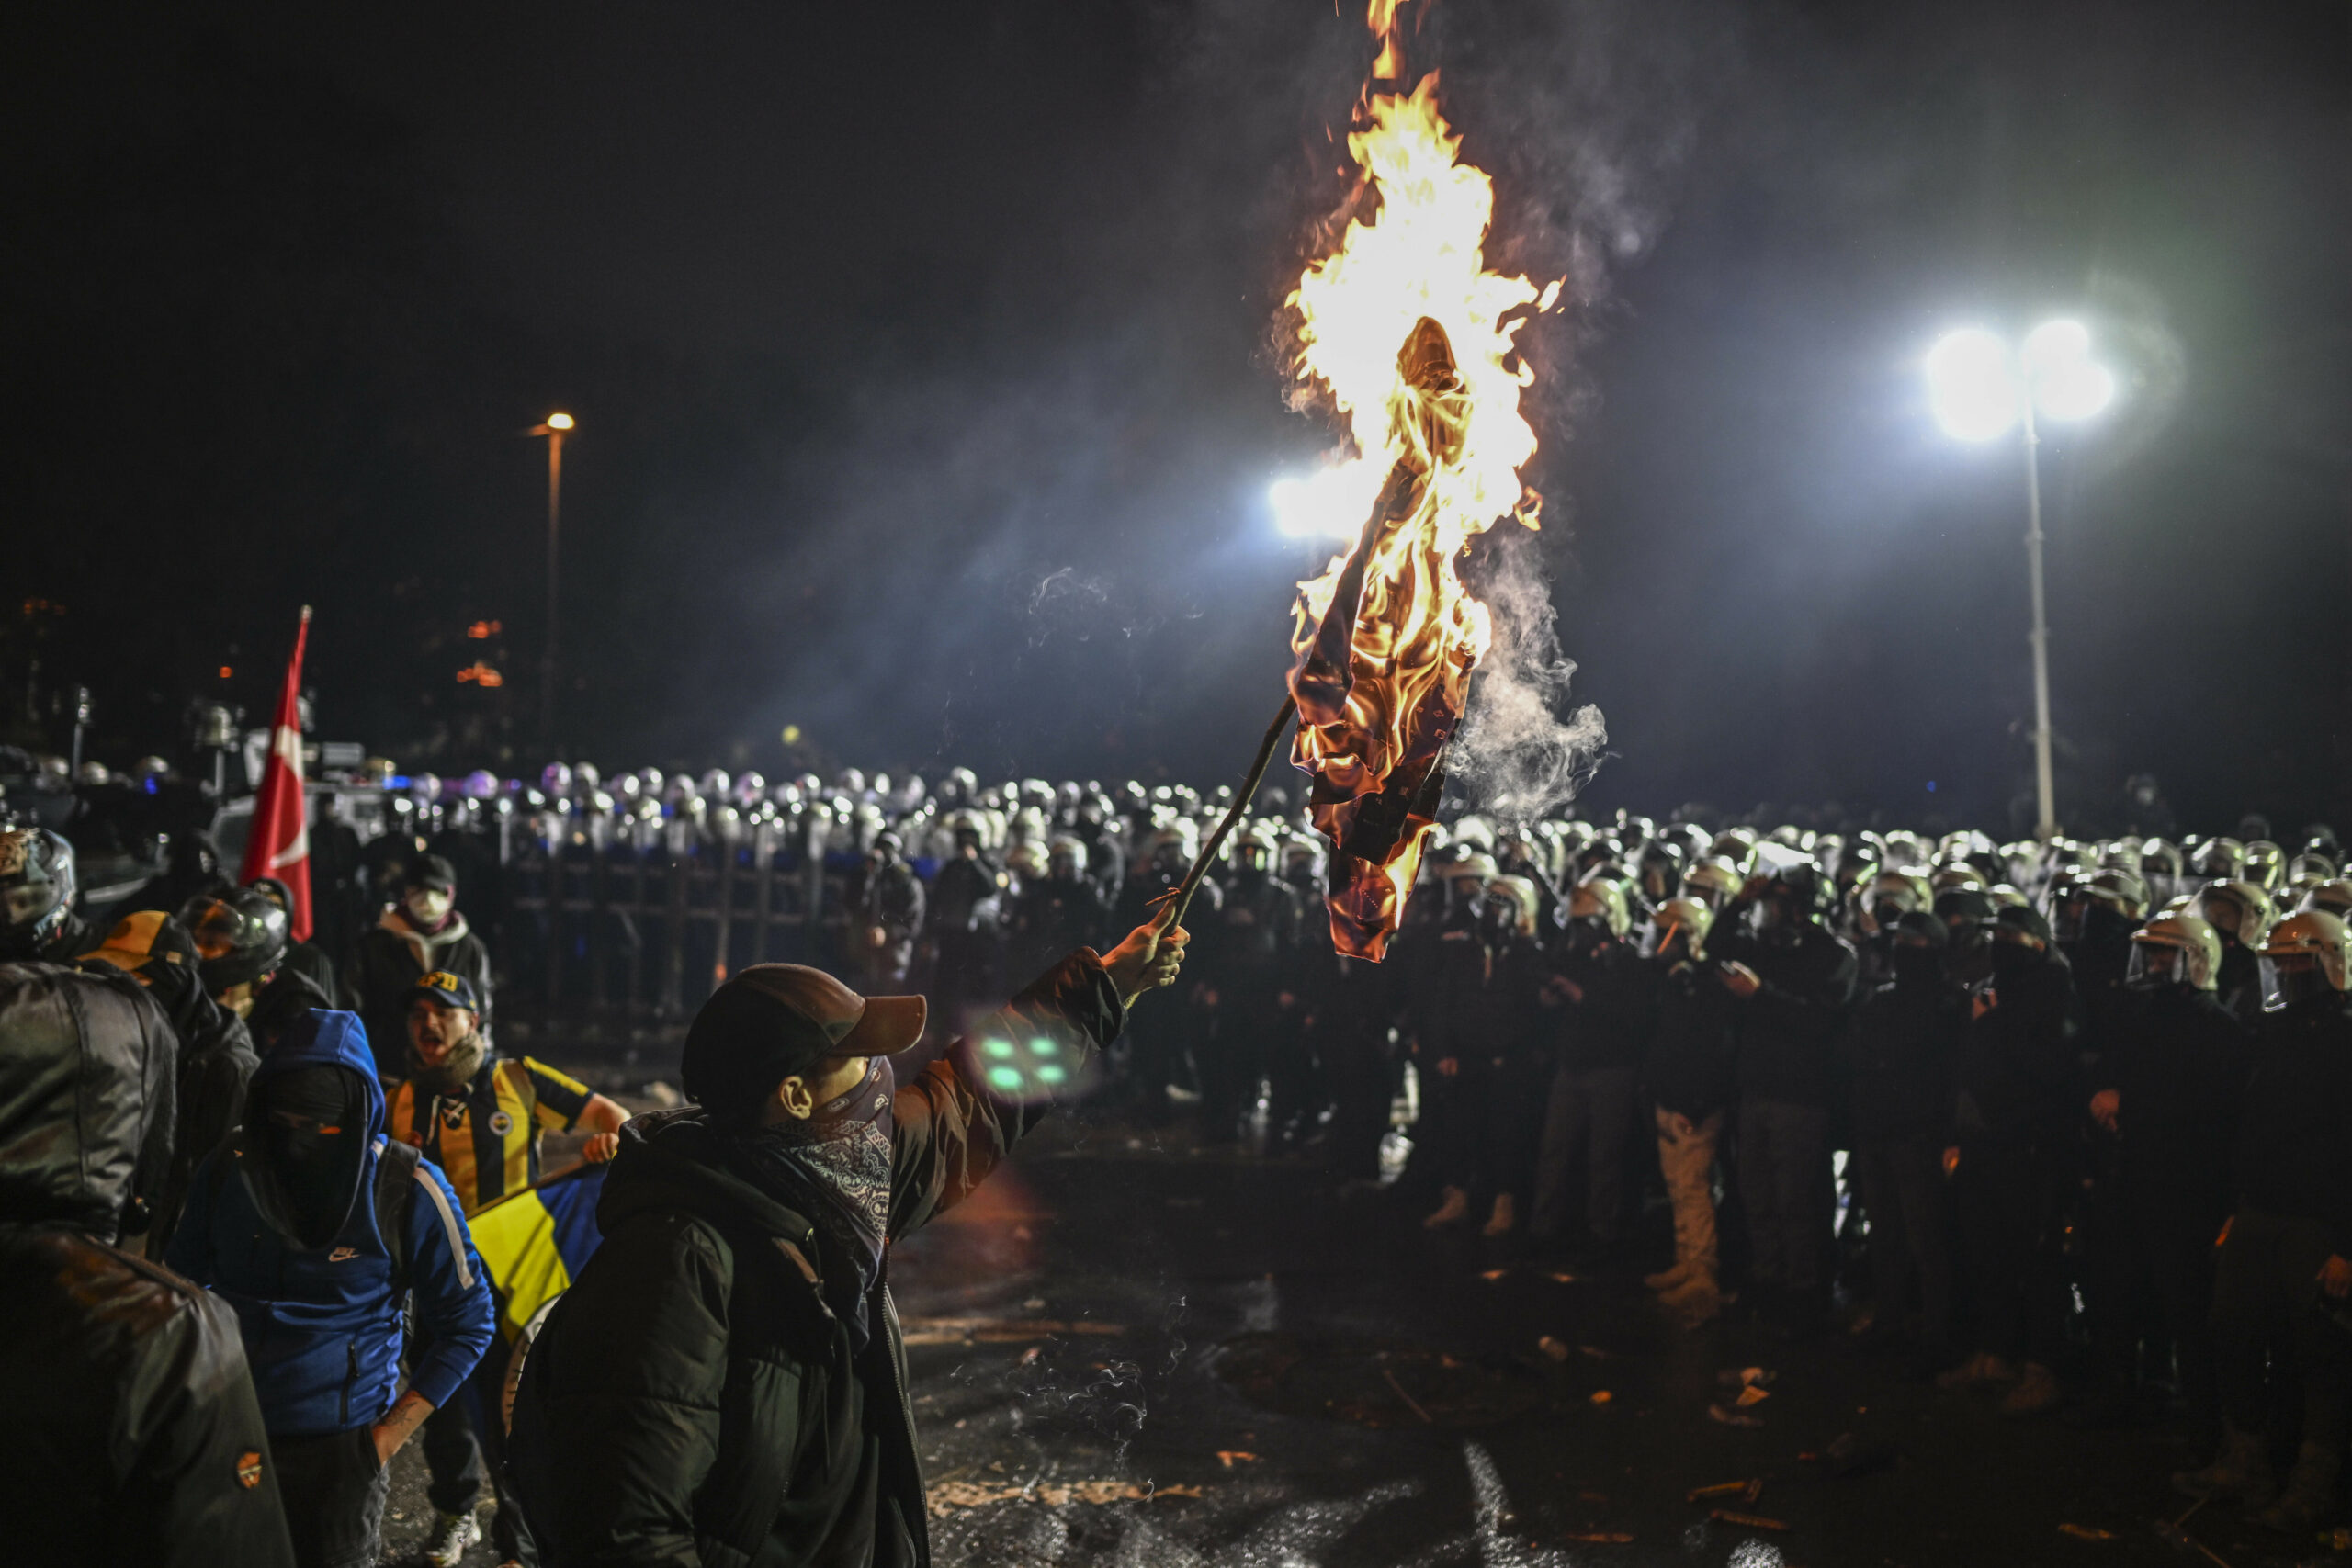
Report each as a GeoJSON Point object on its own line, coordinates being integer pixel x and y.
{"type": "Point", "coordinates": [1130, 1351]}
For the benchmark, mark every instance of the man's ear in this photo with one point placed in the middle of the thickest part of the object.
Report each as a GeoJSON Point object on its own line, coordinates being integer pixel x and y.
{"type": "Point", "coordinates": [792, 1099]}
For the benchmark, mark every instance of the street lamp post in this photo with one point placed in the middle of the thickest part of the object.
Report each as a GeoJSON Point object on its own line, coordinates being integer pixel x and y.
{"type": "Point", "coordinates": [1979, 389]}
{"type": "Point", "coordinates": [554, 429]}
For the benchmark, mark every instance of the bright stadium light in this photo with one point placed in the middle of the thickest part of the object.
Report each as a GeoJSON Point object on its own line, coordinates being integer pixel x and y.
{"type": "Point", "coordinates": [1970, 385]}
{"type": "Point", "coordinates": [1978, 391]}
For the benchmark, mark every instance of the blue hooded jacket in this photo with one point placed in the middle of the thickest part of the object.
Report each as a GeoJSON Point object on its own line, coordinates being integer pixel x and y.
{"type": "Point", "coordinates": [321, 1324]}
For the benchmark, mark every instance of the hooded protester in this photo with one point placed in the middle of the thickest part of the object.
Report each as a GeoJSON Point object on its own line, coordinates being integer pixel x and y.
{"type": "Point", "coordinates": [132, 1435]}
{"type": "Point", "coordinates": [2014, 1110]}
{"type": "Point", "coordinates": [726, 1382]}
{"type": "Point", "coordinates": [317, 1230]}
{"type": "Point", "coordinates": [1905, 1038]}
{"type": "Point", "coordinates": [419, 934]}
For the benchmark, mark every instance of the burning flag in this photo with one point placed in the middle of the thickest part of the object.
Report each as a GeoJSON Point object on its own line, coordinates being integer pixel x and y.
{"type": "Point", "coordinates": [1412, 339]}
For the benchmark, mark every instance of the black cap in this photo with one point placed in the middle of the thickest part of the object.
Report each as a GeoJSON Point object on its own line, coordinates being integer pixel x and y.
{"type": "Point", "coordinates": [771, 1021]}
{"type": "Point", "coordinates": [433, 871]}
{"type": "Point", "coordinates": [443, 989]}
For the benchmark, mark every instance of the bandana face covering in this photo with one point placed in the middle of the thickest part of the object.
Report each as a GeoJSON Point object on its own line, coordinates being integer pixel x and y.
{"type": "Point", "coordinates": [836, 1165]}
{"type": "Point", "coordinates": [456, 1073]}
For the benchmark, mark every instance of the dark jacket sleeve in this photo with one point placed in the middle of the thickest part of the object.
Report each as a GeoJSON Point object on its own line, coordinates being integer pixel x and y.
{"type": "Point", "coordinates": [967, 1110]}
{"type": "Point", "coordinates": [190, 1425]}
{"type": "Point", "coordinates": [610, 1451]}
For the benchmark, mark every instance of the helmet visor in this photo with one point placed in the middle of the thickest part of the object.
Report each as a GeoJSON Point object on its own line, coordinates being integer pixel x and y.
{"type": "Point", "coordinates": [2154, 966]}
{"type": "Point", "coordinates": [2291, 977]}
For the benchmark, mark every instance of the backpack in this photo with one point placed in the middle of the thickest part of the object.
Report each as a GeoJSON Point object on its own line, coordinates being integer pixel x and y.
{"type": "Point", "coordinates": [396, 1179]}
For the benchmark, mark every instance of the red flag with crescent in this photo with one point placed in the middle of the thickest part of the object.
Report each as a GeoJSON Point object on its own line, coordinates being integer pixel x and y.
{"type": "Point", "coordinates": [281, 843]}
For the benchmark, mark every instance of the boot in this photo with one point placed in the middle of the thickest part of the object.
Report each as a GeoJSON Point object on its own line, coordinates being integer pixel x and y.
{"type": "Point", "coordinates": [1504, 1219]}
{"type": "Point", "coordinates": [1452, 1211]}
{"type": "Point", "coordinates": [1668, 1279]}
{"type": "Point", "coordinates": [2242, 1470]}
{"type": "Point", "coordinates": [2310, 1496]}
{"type": "Point", "coordinates": [2035, 1392]}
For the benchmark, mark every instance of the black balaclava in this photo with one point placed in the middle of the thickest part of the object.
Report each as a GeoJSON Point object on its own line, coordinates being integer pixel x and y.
{"type": "Point", "coordinates": [835, 1167]}
{"type": "Point", "coordinates": [304, 1150]}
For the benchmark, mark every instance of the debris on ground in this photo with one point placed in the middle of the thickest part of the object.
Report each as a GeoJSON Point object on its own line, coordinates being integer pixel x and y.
{"type": "Point", "coordinates": [1491, 1275]}
{"type": "Point", "coordinates": [1602, 1537]}
{"type": "Point", "coordinates": [953, 1495]}
{"type": "Point", "coordinates": [1746, 1521]}
{"type": "Point", "coordinates": [2086, 1533]}
{"type": "Point", "coordinates": [1746, 1377]}
{"type": "Point", "coordinates": [1557, 1350]}
{"type": "Point", "coordinates": [995, 1330]}
{"type": "Point", "coordinates": [1730, 1417]}
{"type": "Point", "coordinates": [1754, 1393]}
{"type": "Point", "coordinates": [1231, 1457]}
{"type": "Point", "coordinates": [1560, 1277]}
{"type": "Point", "coordinates": [1602, 1397]}
{"type": "Point", "coordinates": [1748, 1490]}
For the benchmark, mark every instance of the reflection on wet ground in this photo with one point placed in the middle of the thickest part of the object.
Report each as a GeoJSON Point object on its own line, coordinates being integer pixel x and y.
{"type": "Point", "coordinates": [1127, 1353]}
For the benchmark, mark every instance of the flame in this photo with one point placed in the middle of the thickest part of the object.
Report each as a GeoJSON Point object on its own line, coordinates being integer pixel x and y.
{"type": "Point", "coordinates": [1387, 636]}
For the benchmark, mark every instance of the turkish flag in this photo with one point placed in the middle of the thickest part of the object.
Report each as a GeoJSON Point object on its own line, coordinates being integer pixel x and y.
{"type": "Point", "coordinates": [279, 845]}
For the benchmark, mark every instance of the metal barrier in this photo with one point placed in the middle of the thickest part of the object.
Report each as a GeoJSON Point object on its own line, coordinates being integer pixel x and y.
{"type": "Point", "coordinates": [645, 926]}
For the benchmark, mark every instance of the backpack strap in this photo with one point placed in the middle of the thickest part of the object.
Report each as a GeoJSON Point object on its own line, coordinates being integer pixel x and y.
{"type": "Point", "coordinates": [400, 1172]}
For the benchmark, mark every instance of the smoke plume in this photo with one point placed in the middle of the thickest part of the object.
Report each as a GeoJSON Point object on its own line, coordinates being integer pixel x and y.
{"type": "Point", "coordinates": [1523, 752]}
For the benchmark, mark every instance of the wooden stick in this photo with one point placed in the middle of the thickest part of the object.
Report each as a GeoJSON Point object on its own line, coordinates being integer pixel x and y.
{"type": "Point", "coordinates": [1181, 898]}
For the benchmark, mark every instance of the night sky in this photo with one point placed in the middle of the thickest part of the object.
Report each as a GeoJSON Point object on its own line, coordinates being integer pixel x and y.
{"type": "Point", "coordinates": [926, 360]}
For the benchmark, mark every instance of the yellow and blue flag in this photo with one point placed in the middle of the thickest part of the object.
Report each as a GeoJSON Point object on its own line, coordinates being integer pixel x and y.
{"type": "Point", "coordinates": [535, 1242]}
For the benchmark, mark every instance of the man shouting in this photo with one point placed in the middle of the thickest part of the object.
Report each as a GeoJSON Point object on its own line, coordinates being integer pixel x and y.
{"type": "Point", "coordinates": [726, 1382]}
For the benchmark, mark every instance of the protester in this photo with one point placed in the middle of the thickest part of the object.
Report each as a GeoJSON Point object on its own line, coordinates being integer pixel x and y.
{"type": "Point", "coordinates": [479, 1118]}
{"type": "Point", "coordinates": [216, 1051]}
{"type": "Point", "coordinates": [131, 1435]}
{"type": "Point", "coordinates": [422, 933]}
{"type": "Point", "coordinates": [726, 1380]}
{"type": "Point", "coordinates": [304, 958]}
{"type": "Point", "coordinates": [316, 1230]}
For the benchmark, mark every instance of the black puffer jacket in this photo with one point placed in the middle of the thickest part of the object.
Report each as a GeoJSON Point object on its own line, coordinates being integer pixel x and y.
{"type": "Point", "coordinates": [132, 1434]}
{"type": "Point", "coordinates": [698, 1397]}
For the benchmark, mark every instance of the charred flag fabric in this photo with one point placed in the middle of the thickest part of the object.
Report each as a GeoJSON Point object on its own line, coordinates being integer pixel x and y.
{"type": "Point", "coordinates": [536, 1243]}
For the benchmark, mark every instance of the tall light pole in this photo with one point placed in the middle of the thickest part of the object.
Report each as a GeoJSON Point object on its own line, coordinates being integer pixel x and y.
{"type": "Point", "coordinates": [1979, 389]}
{"type": "Point", "coordinates": [554, 429]}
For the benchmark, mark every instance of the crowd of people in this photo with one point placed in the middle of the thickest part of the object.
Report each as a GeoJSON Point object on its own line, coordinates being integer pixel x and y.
{"type": "Point", "coordinates": [2067, 1122]}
